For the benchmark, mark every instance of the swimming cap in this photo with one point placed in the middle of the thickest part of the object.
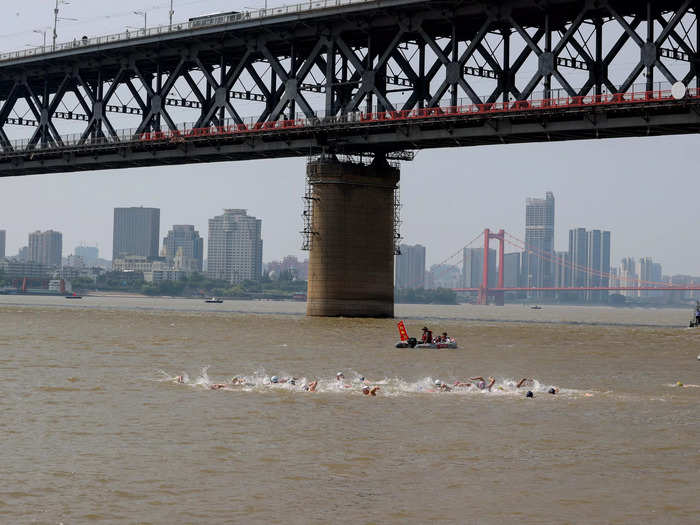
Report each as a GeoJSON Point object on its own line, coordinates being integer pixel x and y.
{"type": "Point", "coordinates": [339, 374]}
{"type": "Point", "coordinates": [362, 378]}
{"type": "Point", "coordinates": [365, 387]}
{"type": "Point", "coordinates": [292, 382]}
{"type": "Point", "coordinates": [529, 394]}
{"type": "Point", "coordinates": [274, 379]}
{"type": "Point", "coordinates": [552, 391]}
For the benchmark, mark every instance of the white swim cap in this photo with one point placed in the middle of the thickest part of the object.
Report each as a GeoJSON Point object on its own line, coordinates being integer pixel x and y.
{"type": "Point", "coordinates": [365, 387]}
{"type": "Point", "coordinates": [339, 374]}
{"type": "Point", "coordinates": [274, 379]}
{"type": "Point", "coordinates": [438, 382]}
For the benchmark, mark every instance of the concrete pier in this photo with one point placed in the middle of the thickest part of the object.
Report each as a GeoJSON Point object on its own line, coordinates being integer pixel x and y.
{"type": "Point", "coordinates": [351, 263]}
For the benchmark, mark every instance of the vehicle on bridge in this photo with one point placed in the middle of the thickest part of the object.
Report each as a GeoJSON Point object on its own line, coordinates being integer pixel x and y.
{"type": "Point", "coordinates": [215, 19]}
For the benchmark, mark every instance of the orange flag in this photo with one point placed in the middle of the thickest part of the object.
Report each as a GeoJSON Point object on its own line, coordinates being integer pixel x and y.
{"type": "Point", "coordinates": [402, 331]}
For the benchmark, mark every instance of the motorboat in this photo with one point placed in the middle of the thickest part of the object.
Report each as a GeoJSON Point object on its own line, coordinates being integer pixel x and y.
{"type": "Point", "coordinates": [536, 307]}
{"type": "Point", "coordinates": [74, 296]}
{"type": "Point", "coordinates": [214, 300]}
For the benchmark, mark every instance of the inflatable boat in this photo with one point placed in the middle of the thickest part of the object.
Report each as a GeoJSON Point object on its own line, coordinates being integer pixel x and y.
{"type": "Point", "coordinates": [413, 343]}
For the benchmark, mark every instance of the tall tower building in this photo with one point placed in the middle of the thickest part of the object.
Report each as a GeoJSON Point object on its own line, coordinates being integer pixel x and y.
{"type": "Point", "coordinates": [589, 253]}
{"type": "Point", "coordinates": [185, 237]}
{"type": "Point", "coordinates": [539, 237]}
{"type": "Point", "coordinates": [473, 268]}
{"type": "Point", "coordinates": [410, 267]}
{"type": "Point", "coordinates": [2, 243]}
{"type": "Point", "coordinates": [45, 248]}
{"type": "Point", "coordinates": [234, 252]}
{"type": "Point", "coordinates": [578, 257]}
{"type": "Point", "coordinates": [136, 232]}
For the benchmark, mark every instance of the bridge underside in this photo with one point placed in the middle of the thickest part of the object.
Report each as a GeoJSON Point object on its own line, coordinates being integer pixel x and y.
{"type": "Point", "coordinates": [637, 120]}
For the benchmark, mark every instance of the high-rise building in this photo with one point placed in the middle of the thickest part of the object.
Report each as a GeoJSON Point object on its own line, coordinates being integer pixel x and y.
{"type": "Point", "coordinates": [410, 267]}
{"type": "Point", "coordinates": [562, 271]}
{"type": "Point", "coordinates": [511, 270]}
{"type": "Point", "coordinates": [136, 232]}
{"type": "Point", "coordinates": [186, 238]}
{"type": "Point", "coordinates": [650, 274]}
{"type": "Point", "coordinates": [578, 257]}
{"type": "Point", "coordinates": [45, 248]}
{"type": "Point", "coordinates": [538, 269]}
{"type": "Point", "coordinates": [627, 276]}
{"type": "Point", "coordinates": [2, 243]}
{"type": "Point", "coordinates": [234, 252]}
{"type": "Point", "coordinates": [89, 254]}
{"type": "Point", "coordinates": [589, 258]}
{"type": "Point", "coordinates": [473, 268]}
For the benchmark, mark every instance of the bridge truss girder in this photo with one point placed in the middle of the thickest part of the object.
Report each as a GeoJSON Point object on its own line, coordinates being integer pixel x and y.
{"type": "Point", "coordinates": [414, 55]}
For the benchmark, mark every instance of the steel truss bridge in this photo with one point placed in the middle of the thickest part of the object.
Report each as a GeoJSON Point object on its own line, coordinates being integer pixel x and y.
{"type": "Point", "coordinates": [353, 76]}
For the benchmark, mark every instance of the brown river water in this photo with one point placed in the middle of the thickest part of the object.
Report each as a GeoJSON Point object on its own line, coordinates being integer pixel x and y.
{"type": "Point", "coordinates": [96, 429]}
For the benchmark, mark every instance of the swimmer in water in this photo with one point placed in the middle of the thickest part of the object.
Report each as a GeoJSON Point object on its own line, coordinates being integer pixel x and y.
{"type": "Point", "coordinates": [218, 386]}
{"type": "Point", "coordinates": [312, 386]}
{"type": "Point", "coordinates": [366, 390]}
{"type": "Point", "coordinates": [529, 394]}
{"type": "Point", "coordinates": [481, 383]}
{"type": "Point", "coordinates": [180, 380]}
{"type": "Point", "coordinates": [442, 387]}
{"type": "Point", "coordinates": [523, 381]}
{"type": "Point", "coordinates": [554, 390]}
{"type": "Point", "coordinates": [461, 384]}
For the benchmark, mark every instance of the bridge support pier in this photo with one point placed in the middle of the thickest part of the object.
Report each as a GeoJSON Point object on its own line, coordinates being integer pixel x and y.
{"type": "Point", "coordinates": [351, 234]}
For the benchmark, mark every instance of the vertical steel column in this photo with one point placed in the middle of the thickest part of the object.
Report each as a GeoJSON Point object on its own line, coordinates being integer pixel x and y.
{"type": "Point", "coordinates": [159, 94]}
{"type": "Point", "coordinates": [293, 75]}
{"type": "Point", "coordinates": [422, 82]}
{"type": "Point", "coordinates": [650, 45]}
{"type": "Point", "coordinates": [696, 61]}
{"type": "Point", "coordinates": [455, 58]}
{"type": "Point", "coordinates": [508, 80]}
{"type": "Point", "coordinates": [222, 82]}
{"type": "Point", "coordinates": [330, 78]}
{"type": "Point", "coordinates": [44, 123]}
{"type": "Point", "coordinates": [599, 72]}
{"type": "Point", "coordinates": [548, 50]}
{"type": "Point", "coordinates": [369, 67]}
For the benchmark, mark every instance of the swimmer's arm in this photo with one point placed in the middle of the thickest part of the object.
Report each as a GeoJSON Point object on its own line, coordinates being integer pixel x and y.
{"type": "Point", "coordinates": [522, 381]}
{"type": "Point", "coordinates": [478, 379]}
{"type": "Point", "coordinates": [493, 381]}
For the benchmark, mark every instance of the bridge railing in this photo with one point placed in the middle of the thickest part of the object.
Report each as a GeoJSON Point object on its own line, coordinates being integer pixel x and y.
{"type": "Point", "coordinates": [192, 24]}
{"type": "Point", "coordinates": [190, 131]}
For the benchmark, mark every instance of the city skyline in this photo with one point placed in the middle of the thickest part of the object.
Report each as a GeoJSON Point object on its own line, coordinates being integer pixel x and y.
{"type": "Point", "coordinates": [431, 258]}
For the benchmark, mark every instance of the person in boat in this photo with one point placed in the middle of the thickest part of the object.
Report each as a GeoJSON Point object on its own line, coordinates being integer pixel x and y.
{"type": "Point", "coordinates": [482, 384]}
{"type": "Point", "coordinates": [427, 338]}
{"type": "Point", "coordinates": [697, 314]}
{"type": "Point", "coordinates": [370, 391]}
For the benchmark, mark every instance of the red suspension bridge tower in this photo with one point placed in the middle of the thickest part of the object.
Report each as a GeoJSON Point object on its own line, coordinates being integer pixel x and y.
{"type": "Point", "coordinates": [484, 291]}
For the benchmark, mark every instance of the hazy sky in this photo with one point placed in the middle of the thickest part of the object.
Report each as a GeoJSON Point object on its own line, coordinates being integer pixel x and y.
{"type": "Point", "coordinates": [643, 190]}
